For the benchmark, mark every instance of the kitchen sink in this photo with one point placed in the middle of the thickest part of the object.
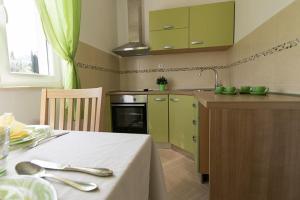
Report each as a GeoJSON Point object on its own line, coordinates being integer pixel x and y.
{"type": "Point", "coordinates": [201, 89]}
{"type": "Point", "coordinates": [205, 90]}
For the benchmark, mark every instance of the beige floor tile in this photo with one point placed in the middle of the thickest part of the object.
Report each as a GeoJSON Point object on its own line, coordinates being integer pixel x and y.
{"type": "Point", "coordinates": [182, 181]}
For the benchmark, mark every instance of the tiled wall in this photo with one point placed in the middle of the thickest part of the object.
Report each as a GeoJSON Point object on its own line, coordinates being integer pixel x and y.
{"type": "Point", "coordinates": [271, 54]}
{"type": "Point", "coordinates": [97, 68]}
{"type": "Point", "coordinates": [250, 14]}
{"type": "Point", "coordinates": [181, 70]}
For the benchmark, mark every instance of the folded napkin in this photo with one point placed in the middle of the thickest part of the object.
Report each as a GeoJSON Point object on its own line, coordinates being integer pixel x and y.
{"type": "Point", "coordinates": [17, 129]}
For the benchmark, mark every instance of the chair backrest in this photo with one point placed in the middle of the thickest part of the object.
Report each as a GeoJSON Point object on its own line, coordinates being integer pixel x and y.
{"type": "Point", "coordinates": [64, 102]}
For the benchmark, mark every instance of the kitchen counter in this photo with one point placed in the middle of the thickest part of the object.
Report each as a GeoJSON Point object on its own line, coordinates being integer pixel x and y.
{"type": "Point", "coordinates": [153, 92]}
{"type": "Point", "coordinates": [210, 100]}
{"type": "Point", "coordinates": [253, 144]}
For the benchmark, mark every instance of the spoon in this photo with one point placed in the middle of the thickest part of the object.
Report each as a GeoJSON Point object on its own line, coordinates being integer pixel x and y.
{"type": "Point", "coordinates": [28, 168]}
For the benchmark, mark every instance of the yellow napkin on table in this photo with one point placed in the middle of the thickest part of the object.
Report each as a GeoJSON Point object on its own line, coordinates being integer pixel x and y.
{"type": "Point", "coordinates": [17, 129]}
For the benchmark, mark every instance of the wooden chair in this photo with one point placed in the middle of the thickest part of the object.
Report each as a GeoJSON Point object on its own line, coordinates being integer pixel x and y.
{"type": "Point", "coordinates": [66, 99]}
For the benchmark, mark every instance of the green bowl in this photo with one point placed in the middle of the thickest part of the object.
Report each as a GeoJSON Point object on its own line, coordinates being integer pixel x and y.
{"type": "Point", "coordinates": [219, 90]}
{"type": "Point", "coordinates": [245, 89]}
{"type": "Point", "coordinates": [259, 89]}
{"type": "Point", "coordinates": [229, 89]}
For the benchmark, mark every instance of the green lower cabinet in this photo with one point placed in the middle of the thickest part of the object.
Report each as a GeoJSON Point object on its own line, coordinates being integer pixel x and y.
{"type": "Point", "coordinates": [158, 118]}
{"type": "Point", "coordinates": [196, 138]}
{"type": "Point", "coordinates": [183, 122]}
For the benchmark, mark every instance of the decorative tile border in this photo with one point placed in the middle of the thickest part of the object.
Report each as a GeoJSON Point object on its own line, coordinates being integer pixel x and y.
{"type": "Point", "coordinates": [277, 49]}
{"type": "Point", "coordinates": [176, 69]}
{"type": "Point", "coordinates": [98, 68]}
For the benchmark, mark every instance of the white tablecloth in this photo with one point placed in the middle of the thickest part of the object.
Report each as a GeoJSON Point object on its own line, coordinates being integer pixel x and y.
{"type": "Point", "coordinates": [137, 169]}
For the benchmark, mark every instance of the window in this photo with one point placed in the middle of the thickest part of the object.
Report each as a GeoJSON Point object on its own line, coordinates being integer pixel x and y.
{"type": "Point", "coordinates": [28, 59]}
{"type": "Point", "coordinates": [27, 46]}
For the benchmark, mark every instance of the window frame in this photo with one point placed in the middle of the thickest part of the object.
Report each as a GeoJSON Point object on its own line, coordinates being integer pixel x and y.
{"type": "Point", "coordinates": [15, 79]}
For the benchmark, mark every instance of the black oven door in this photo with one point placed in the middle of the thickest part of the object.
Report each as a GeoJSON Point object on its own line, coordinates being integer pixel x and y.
{"type": "Point", "coordinates": [129, 118]}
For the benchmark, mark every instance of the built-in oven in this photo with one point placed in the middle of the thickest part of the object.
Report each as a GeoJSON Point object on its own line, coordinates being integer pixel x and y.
{"type": "Point", "coordinates": [129, 113]}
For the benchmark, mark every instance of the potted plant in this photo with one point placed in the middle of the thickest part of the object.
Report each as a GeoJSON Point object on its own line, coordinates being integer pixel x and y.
{"type": "Point", "coordinates": [162, 82]}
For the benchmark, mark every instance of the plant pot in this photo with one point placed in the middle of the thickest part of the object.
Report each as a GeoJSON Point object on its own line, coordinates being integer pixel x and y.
{"type": "Point", "coordinates": [162, 87]}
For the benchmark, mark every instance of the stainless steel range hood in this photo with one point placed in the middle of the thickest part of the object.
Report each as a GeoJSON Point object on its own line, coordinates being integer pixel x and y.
{"type": "Point", "coordinates": [135, 46]}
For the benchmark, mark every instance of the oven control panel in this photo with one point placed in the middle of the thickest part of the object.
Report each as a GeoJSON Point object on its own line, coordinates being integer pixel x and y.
{"type": "Point", "coordinates": [128, 99]}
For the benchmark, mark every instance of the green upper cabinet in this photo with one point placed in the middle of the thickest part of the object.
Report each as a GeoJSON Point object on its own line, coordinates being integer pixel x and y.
{"type": "Point", "coordinates": [169, 39]}
{"type": "Point", "coordinates": [198, 27]}
{"type": "Point", "coordinates": [158, 118]}
{"type": "Point", "coordinates": [182, 122]}
{"type": "Point", "coordinates": [212, 25]}
{"type": "Point", "coordinates": [169, 19]}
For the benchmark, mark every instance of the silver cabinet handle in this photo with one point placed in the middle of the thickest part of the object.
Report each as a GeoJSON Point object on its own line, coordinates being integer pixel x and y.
{"type": "Point", "coordinates": [168, 47]}
{"type": "Point", "coordinates": [174, 99]}
{"type": "Point", "coordinates": [168, 27]}
{"type": "Point", "coordinates": [160, 99]}
{"type": "Point", "coordinates": [197, 42]}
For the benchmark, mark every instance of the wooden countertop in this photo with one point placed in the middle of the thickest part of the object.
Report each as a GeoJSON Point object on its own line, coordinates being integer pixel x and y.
{"type": "Point", "coordinates": [210, 100]}
{"type": "Point", "coordinates": [154, 92]}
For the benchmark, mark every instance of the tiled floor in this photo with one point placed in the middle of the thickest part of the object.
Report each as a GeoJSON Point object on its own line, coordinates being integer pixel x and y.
{"type": "Point", "coordinates": [182, 181]}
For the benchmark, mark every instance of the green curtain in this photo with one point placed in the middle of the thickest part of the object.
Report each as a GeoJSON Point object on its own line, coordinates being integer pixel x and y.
{"type": "Point", "coordinates": [61, 23]}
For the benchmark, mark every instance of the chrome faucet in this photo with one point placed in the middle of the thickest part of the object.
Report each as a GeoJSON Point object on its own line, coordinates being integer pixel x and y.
{"type": "Point", "coordinates": [217, 82]}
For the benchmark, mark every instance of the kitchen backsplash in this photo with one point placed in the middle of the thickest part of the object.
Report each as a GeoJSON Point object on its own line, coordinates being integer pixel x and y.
{"type": "Point", "coordinates": [97, 68]}
{"type": "Point", "coordinates": [271, 54]}
{"type": "Point", "coordinates": [182, 70]}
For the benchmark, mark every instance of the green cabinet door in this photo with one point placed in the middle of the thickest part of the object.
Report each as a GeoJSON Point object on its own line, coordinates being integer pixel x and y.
{"type": "Point", "coordinates": [212, 25]}
{"type": "Point", "coordinates": [182, 122]}
{"type": "Point", "coordinates": [169, 39]}
{"type": "Point", "coordinates": [169, 19]}
{"type": "Point", "coordinates": [196, 137]}
{"type": "Point", "coordinates": [158, 118]}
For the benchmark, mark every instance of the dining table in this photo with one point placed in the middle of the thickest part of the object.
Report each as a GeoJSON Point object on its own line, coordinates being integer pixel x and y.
{"type": "Point", "coordinates": [133, 158]}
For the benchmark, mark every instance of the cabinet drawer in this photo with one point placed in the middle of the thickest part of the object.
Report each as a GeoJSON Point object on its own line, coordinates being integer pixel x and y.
{"type": "Point", "coordinates": [212, 25]}
{"type": "Point", "coordinates": [169, 19]}
{"type": "Point", "coordinates": [169, 39]}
